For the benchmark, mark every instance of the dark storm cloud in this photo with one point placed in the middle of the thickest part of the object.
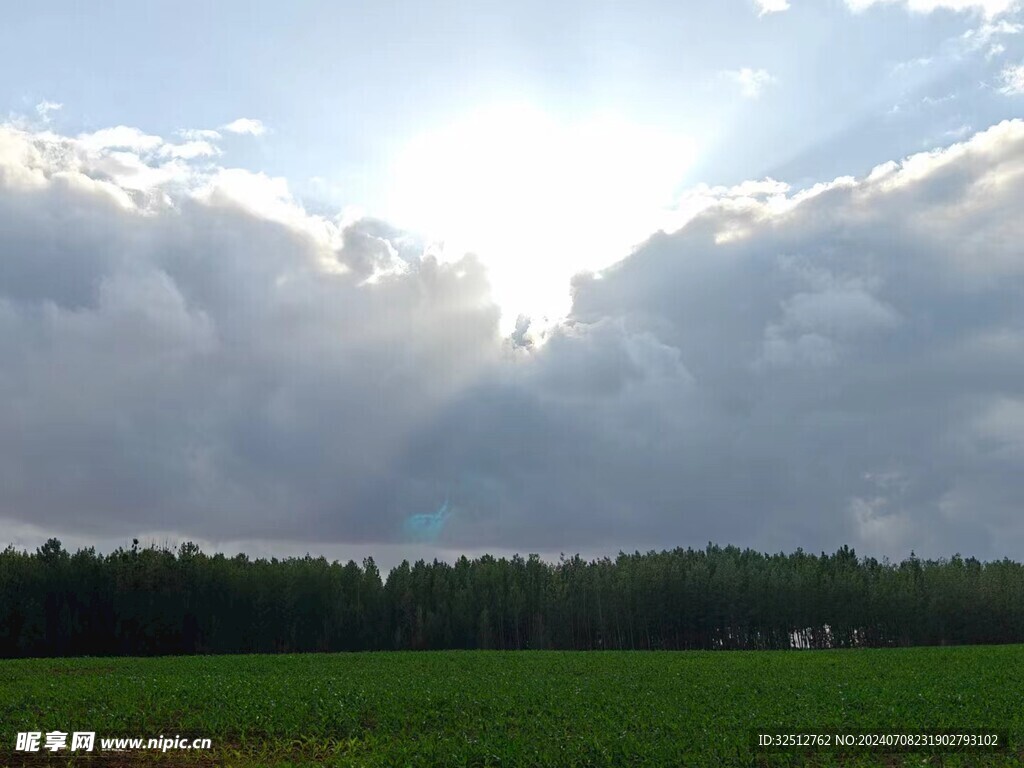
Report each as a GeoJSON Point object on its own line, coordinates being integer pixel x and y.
{"type": "Point", "coordinates": [845, 365]}
{"type": "Point", "coordinates": [840, 370]}
{"type": "Point", "coordinates": [209, 368]}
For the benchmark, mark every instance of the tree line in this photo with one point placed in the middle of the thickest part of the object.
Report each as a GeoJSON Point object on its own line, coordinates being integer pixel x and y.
{"type": "Point", "coordinates": [146, 601]}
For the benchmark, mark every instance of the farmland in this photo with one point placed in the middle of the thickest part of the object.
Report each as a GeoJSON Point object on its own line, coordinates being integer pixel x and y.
{"type": "Point", "coordinates": [518, 708]}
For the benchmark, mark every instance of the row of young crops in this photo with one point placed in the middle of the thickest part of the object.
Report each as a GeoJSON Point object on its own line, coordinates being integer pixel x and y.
{"type": "Point", "coordinates": [525, 709]}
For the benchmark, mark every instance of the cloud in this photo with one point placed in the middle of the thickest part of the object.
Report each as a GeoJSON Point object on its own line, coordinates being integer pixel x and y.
{"type": "Point", "coordinates": [935, 101]}
{"type": "Point", "coordinates": [983, 35]}
{"type": "Point", "coordinates": [45, 108]}
{"type": "Point", "coordinates": [121, 137]}
{"type": "Point", "coordinates": [245, 125]}
{"type": "Point", "coordinates": [199, 134]}
{"type": "Point", "coordinates": [217, 328]}
{"type": "Point", "coordinates": [989, 8]}
{"type": "Point", "coordinates": [752, 82]}
{"type": "Point", "coordinates": [771, 6]}
{"type": "Point", "coordinates": [190, 150]}
{"type": "Point", "coordinates": [815, 366]}
{"type": "Point", "coordinates": [910, 65]}
{"type": "Point", "coordinates": [957, 133]}
{"type": "Point", "coordinates": [1012, 78]}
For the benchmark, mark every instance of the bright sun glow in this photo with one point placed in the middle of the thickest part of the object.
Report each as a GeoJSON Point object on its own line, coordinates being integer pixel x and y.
{"type": "Point", "coordinates": [536, 198]}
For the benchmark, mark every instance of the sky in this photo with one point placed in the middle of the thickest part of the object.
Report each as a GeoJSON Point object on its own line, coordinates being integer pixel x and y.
{"type": "Point", "coordinates": [424, 279]}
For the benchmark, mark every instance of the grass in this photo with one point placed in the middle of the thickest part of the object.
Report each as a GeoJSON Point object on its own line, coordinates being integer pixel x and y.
{"type": "Point", "coordinates": [518, 709]}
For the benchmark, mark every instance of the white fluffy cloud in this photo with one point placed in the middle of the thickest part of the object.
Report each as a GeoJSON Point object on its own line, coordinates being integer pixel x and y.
{"type": "Point", "coordinates": [751, 82]}
{"type": "Point", "coordinates": [199, 355]}
{"type": "Point", "coordinates": [45, 108]}
{"type": "Point", "coordinates": [246, 125]}
{"type": "Point", "coordinates": [190, 150]}
{"type": "Point", "coordinates": [1012, 78]}
{"type": "Point", "coordinates": [983, 35]}
{"type": "Point", "coordinates": [771, 6]}
{"type": "Point", "coordinates": [199, 134]}
{"type": "Point", "coordinates": [989, 8]}
{"type": "Point", "coordinates": [121, 137]}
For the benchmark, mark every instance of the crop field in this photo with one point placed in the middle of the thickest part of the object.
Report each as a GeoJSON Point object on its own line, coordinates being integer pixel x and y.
{"type": "Point", "coordinates": [518, 708]}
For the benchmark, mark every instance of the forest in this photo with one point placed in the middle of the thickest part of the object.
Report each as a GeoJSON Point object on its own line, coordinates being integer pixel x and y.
{"type": "Point", "coordinates": [158, 601]}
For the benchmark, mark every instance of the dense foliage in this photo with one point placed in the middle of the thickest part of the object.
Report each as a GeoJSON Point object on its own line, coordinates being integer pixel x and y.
{"type": "Point", "coordinates": [157, 601]}
{"type": "Point", "coordinates": [522, 710]}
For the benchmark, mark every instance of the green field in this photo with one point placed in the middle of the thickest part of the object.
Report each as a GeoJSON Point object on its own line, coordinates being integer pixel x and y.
{"type": "Point", "coordinates": [519, 709]}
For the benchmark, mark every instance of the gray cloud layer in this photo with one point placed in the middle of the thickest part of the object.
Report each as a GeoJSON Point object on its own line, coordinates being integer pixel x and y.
{"type": "Point", "coordinates": [184, 349]}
